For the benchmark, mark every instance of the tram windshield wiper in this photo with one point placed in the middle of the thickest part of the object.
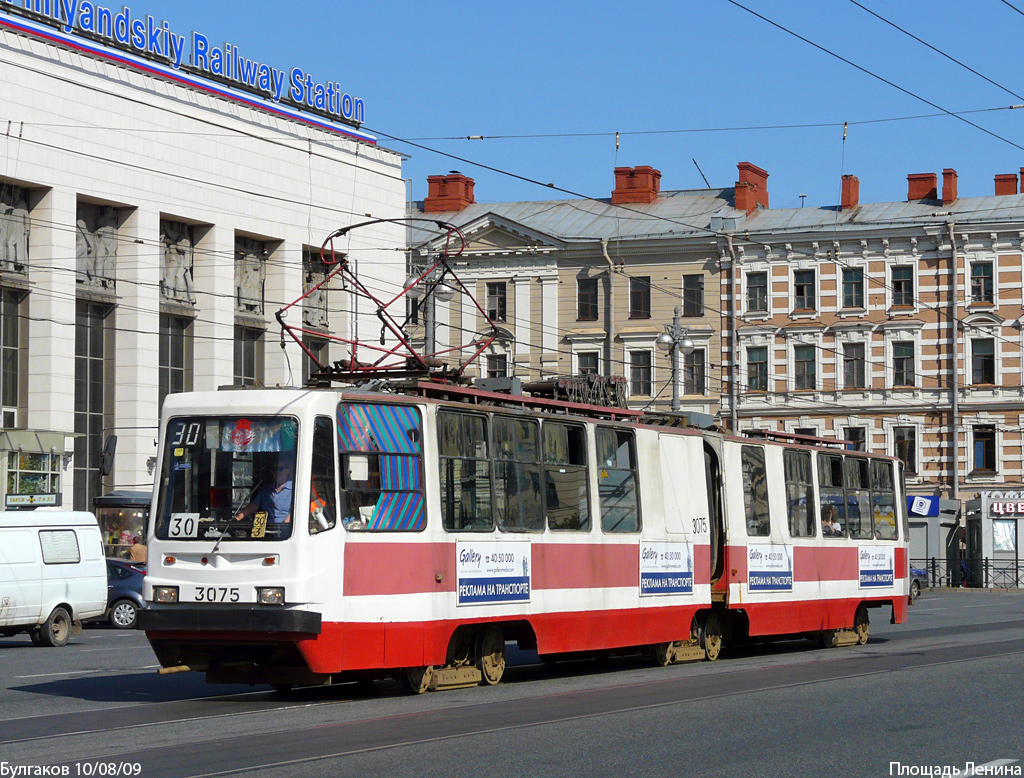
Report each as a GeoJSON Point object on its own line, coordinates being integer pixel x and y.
{"type": "Point", "coordinates": [234, 512]}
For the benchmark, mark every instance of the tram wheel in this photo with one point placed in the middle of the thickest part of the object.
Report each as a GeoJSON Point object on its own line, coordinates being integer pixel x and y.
{"type": "Point", "coordinates": [826, 638]}
{"type": "Point", "coordinates": [490, 655]}
{"type": "Point", "coordinates": [861, 625]}
{"type": "Point", "coordinates": [418, 679]}
{"type": "Point", "coordinates": [711, 637]}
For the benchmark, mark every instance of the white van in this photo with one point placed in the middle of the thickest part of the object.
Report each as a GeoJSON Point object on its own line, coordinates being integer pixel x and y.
{"type": "Point", "coordinates": [52, 574]}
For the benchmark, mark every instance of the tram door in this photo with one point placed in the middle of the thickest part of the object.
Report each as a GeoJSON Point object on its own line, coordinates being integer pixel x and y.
{"type": "Point", "coordinates": [713, 477]}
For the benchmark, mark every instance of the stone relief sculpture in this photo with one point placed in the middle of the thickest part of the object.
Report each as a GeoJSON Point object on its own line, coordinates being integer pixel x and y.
{"type": "Point", "coordinates": [176, 283]}
{"type": "Point", "coordinates": [314, 308]}
{"type": "Point", "coordinates": [14, 229]}
{"type": "Point", "coordinates": [250, 275]}
{"type": "Point", "coordinates": [96, 248]}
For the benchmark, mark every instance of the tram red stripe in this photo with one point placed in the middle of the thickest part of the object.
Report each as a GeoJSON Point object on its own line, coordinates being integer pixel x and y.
{"type": "Point", "coordinates": [815, 563]}
{"type": "Point", "coordinates": [417, 568]}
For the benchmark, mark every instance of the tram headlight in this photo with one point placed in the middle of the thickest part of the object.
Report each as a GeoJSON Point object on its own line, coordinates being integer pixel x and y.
{"type": "Point", "coordinates": [270, 595]}
{"type": "Point", "coordinates": [165, 594]}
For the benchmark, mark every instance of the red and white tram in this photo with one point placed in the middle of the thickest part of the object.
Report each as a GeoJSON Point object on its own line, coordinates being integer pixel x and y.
{"type": "Point", "coordinates": [422, 530]}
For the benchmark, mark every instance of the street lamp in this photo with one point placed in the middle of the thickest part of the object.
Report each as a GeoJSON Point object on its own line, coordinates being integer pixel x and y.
{"type": "Point", "coordinates": [675, 338]}
{"type": "Point", "coordinates": [438, 291]}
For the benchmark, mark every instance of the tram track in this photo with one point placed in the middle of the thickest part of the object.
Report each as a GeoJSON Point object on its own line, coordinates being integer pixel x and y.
{"type": "Point", "coordinates": [255, 750]}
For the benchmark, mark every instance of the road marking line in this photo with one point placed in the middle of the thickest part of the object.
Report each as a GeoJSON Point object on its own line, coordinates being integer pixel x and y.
{"type": "Point", "coordinates": [91, 672]}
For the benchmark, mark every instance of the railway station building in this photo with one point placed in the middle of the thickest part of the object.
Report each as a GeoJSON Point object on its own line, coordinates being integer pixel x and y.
{"type": "Point", "coordinates": [157, 207]}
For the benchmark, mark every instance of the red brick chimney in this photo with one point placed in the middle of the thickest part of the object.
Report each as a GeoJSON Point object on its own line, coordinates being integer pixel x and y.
{"type": "Point", "coordinates": [922, 186]}
{"type": "Point", "coordinates": [1006, 184]}
{"type": "Point", "coordinates": [636, 185]}
{"type": "Point", "coordinates": [949, 178]}
{"type": "Point", "coordinates": [751, 189]}
{"type": "Point", "coordinates": [851, 193]}
{"type": "Point", "coordinates": [452, 192]}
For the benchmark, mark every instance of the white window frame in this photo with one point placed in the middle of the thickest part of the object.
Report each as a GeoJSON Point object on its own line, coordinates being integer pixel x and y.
{"type": "Point", "coordinates": [744, 287]}
{"type": "Point", "coordinates": [889, 287]}
{"type": "Point", "coordinates": [968, 271]}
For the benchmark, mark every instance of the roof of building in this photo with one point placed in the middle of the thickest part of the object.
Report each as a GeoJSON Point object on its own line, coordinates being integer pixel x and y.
{"type": "Point", "coordinates": [682, 213]}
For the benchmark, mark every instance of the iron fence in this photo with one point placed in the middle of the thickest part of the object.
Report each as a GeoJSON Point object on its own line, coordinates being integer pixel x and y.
{"type": "Point", "coordinates": [976, 573]}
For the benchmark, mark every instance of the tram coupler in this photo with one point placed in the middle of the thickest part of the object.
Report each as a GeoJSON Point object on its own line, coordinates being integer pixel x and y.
{"type": "Point", "coordinates": [846, 637]}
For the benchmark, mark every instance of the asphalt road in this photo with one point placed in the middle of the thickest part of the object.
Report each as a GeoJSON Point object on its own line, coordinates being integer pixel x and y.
{"type": "Point", "coordinates": [942, 690]}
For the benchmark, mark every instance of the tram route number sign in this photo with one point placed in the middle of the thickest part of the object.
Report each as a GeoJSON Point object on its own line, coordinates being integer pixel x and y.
{"type": "Point", "coordinates": [490, 573]}
{"type": "Point", "coordinates": [877, 566]}
{"type": "Point", "coordinates": [666, 568]}
{"type": "Point", "coordinates": [769, 568]}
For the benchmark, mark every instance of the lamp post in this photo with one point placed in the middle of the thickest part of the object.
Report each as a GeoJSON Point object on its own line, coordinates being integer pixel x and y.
{"type": "Point", "coordinates": [675, 338]}
{"type": "Point", "coordinates": [436, 290]}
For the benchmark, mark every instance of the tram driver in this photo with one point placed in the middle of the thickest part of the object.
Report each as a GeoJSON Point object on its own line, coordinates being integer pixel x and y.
{"type": "Point", "coordinates": [275, 499]}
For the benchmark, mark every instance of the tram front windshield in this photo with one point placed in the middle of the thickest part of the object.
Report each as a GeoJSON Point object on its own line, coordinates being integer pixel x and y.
{"type": "Point", "coordinates": [227, 478]}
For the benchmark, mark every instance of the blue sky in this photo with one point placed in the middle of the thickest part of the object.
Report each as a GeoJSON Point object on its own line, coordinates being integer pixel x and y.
{"type": "Point", "coordinates": [670, 77]}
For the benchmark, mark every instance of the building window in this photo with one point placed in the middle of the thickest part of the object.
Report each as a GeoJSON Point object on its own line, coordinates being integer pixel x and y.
{"type": "Point", "coordinates": [985, 448]}
{"type": "Point", "coordinates": [757, 369]}
{"type": "Point", "coordinates": [805, 432]}
{"type": "Point", "coordinates": [588, 362]}
{"type": "Point", "coordinates": [804, 373]}
{"type": "Point", "coordinates": [903, 286]}
{"type": "Point", "coordinates": [497, 301]}
{"type": "Point", "coordinates": [853, 366]}
{"type": "Point", "coordinates": [981, 283]}
{"type": "Point", "coordinates": [803, 290]}
{"type": "Point", "coordinates": [983, 361]}
{"type": "Point", "coordinates": [33, 473]}
{"type": "Point", "coordinates": [693, 295]}
{"type": "Point", "coordinates": [318, 348]}
{"type": "Point", "coordinates": [1004, 535]}
{"type": "Point", "coordinates": [856, 438]}
{"type": "Point", "coordinates": [903, 363]}
{"type": "Point", "coordinates": [586, 299]}
{"type": "Point", "coordinates": [693, 373]}
{"type": "Point", "coordinates": [853, 288]}
{"type": "Point", "coordinates": [640, 373]}
{"type": "Point", "coordinates": [640, 297]}
{"type": "Point", "coordinates": [757, 292]}
{"type": "Point", "coordinates": [905, 440]}
{"type": "Point", "coordinates": [248, 356]}
{"type": "Point", "coordinates": [91, 373]}
{"type": "Point", "coordinates": [10, 357]}
{"type": "Point", "coordinates": [497, 365]}
{"type": "Point", "coordinates": [175, 355]}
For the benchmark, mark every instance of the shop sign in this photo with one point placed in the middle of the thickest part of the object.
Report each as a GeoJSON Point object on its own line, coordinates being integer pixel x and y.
{"type": "Point", "coordinates": [32, 500]}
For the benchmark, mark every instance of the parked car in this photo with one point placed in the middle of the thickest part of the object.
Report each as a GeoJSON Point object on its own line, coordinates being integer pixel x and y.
{"type": "Point", "coordinates": [51, 574]}
{"type": "Point", "coordinates": [124, 593]}
{"type": "Point", "coordinates": [918, 580]}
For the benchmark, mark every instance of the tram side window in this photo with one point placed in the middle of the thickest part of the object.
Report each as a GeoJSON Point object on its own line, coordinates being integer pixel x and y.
{"type": "Point", "coordinates": [465, 472]}
{"type": "Point", "coordinates": [833, 499]}
{"type": "Point", "coordinates": [566, 496]}
{"type": "Point", "coordinates": [883, 500]}
{"type": "Point", "coordinates": [323, 508]}
{"type": "Point", "coordinates": [381, 455]}
{"type": "Point", "coordinates": [517, 495]}
{"type": "Point", "coordinates": [617, 481]}
{"type": "Point", "coordinates": [858, 496]}
{"type": "Point", "coordinates": [799, 493]}
{"type": "Point", "coordinates": [755, 491]}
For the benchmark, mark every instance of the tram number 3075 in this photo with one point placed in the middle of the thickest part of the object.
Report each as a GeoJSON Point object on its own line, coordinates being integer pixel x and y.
{"type": "Point", "coordinates": [217, 594]}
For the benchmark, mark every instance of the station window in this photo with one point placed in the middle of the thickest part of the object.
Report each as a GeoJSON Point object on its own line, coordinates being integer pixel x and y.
{"type": "Point", "coordinates": [517, 500]}
{"type": "Point", "coordinates": [465, 471]}
{"type": "Point", "coordinates": [566, 492]}
{"type": "Point", "coordinates": [755, 491]}
{"type": "Point", "coordinates": [799, 493]}
{"type": "Point", "coordinates": [617, 480]}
